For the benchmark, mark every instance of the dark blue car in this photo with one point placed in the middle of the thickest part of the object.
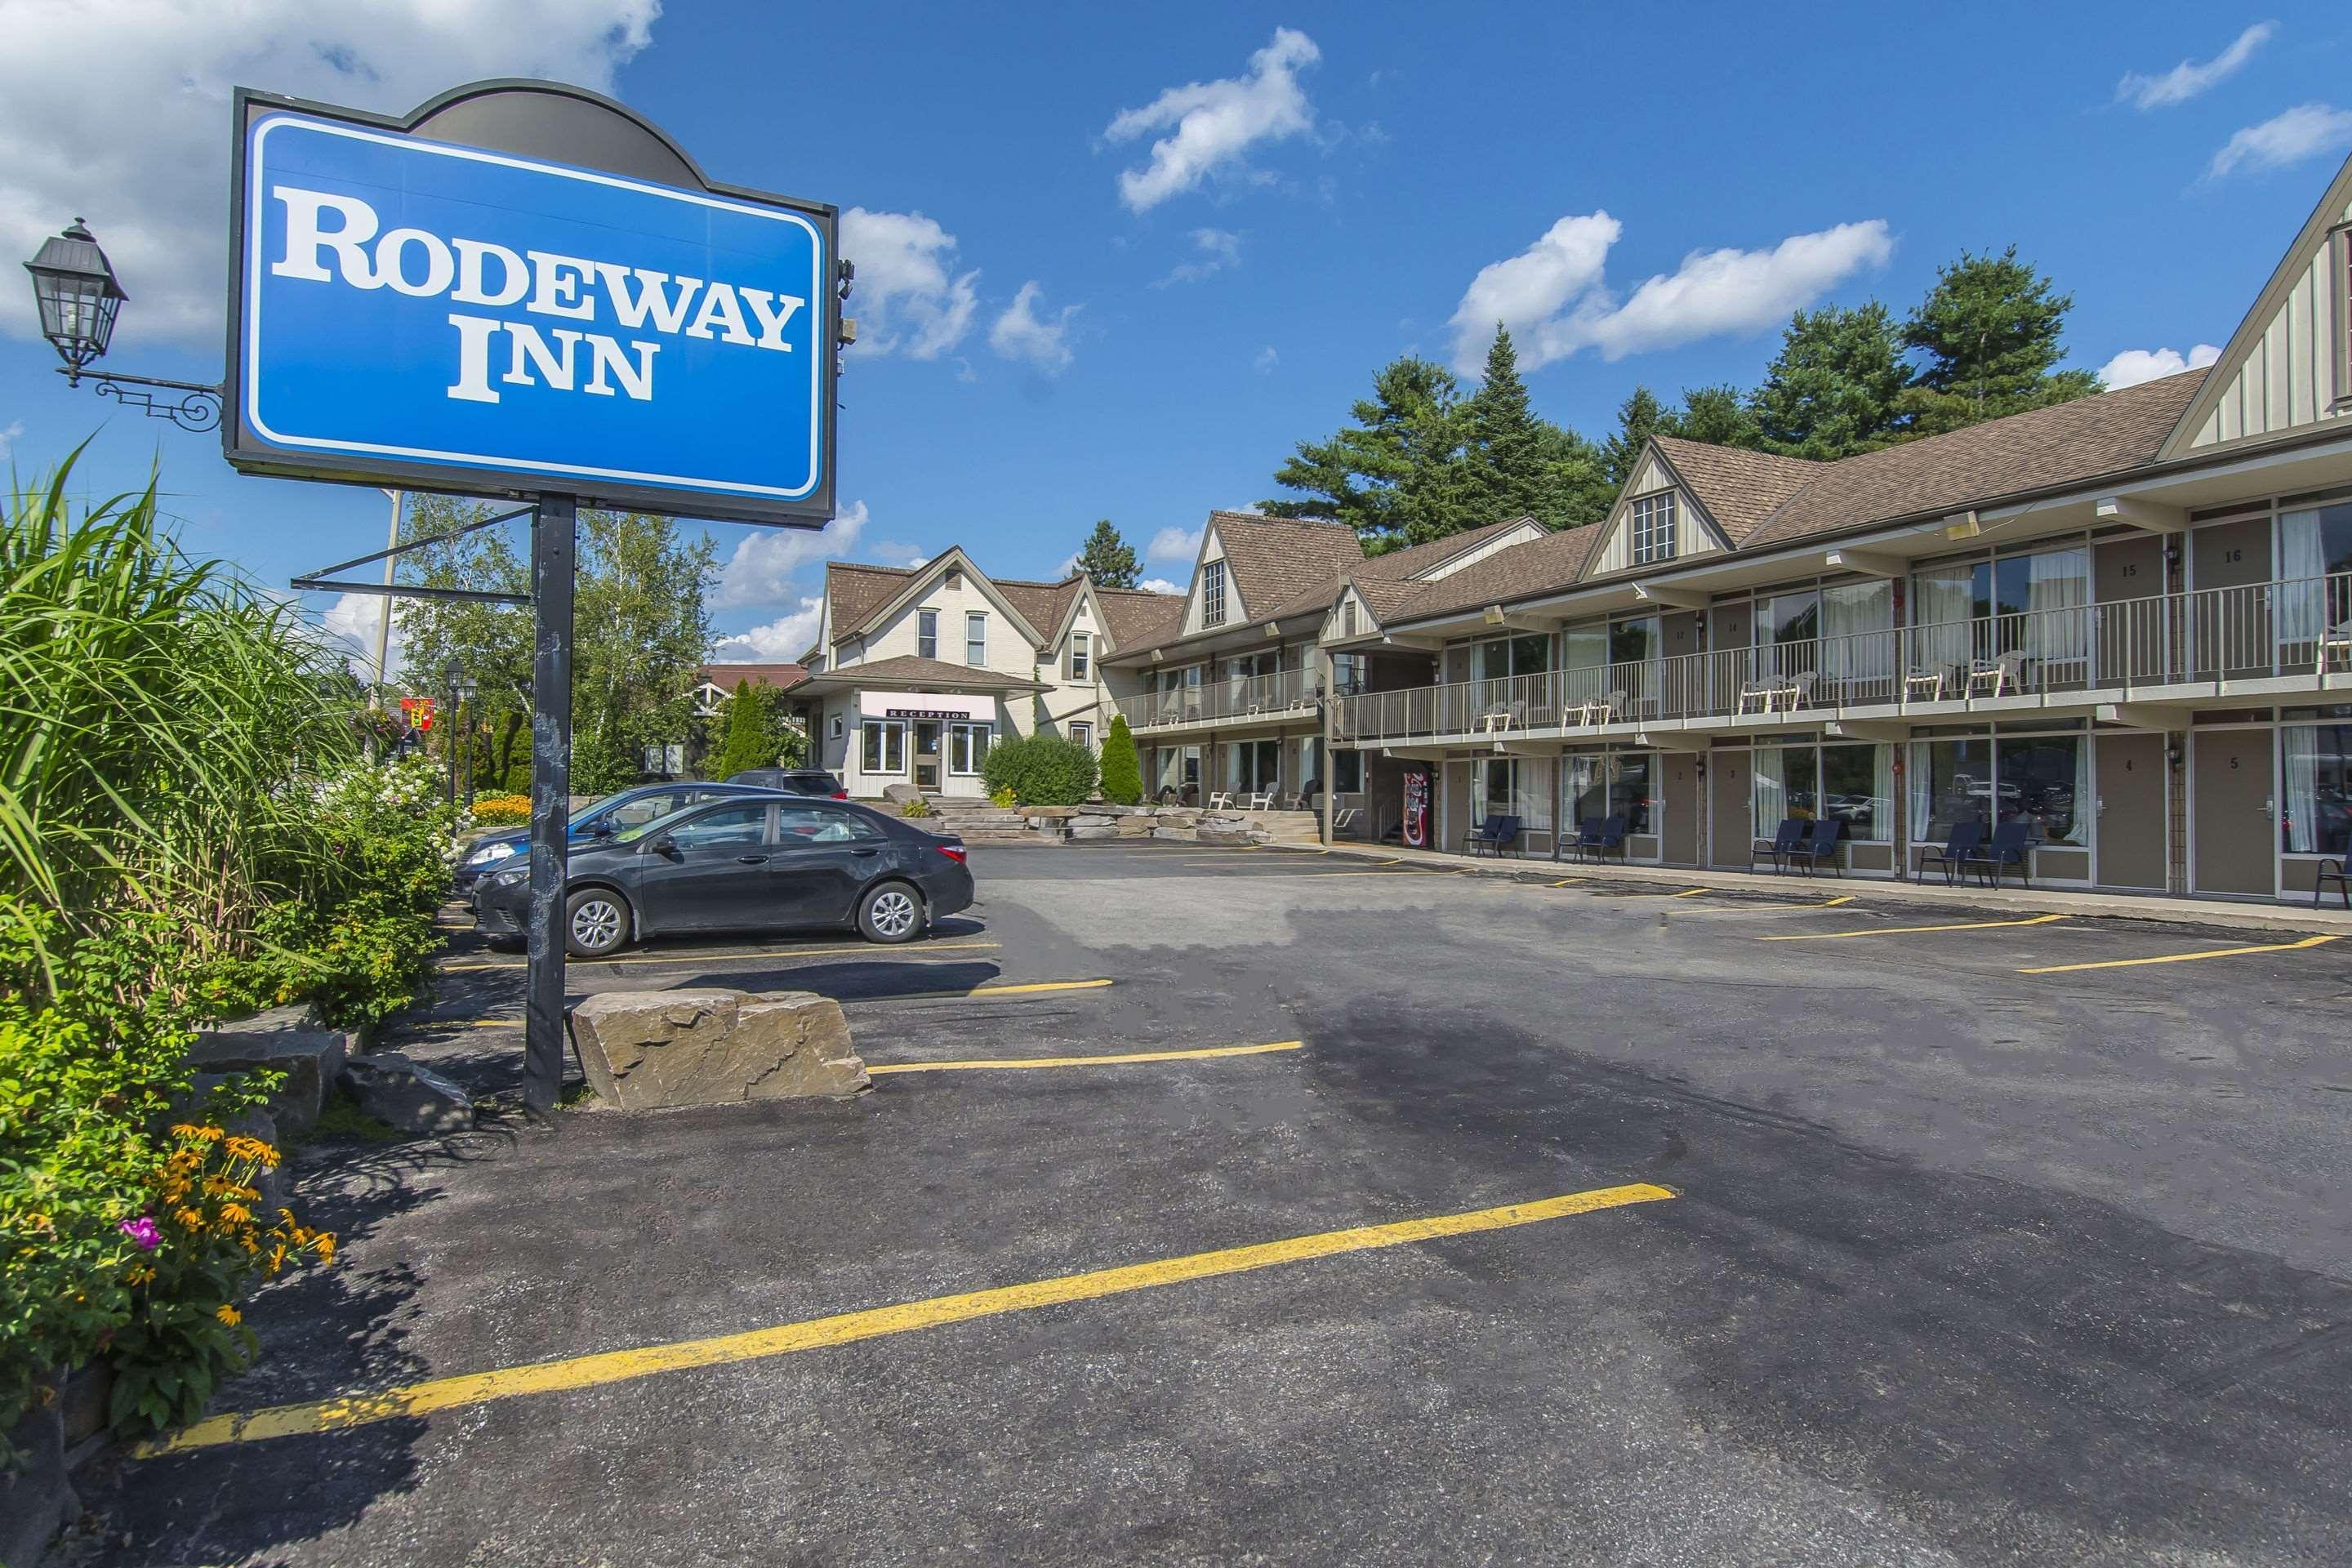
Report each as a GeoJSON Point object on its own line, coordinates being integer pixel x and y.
{"type": "Point", "coordinates": [609, 816]}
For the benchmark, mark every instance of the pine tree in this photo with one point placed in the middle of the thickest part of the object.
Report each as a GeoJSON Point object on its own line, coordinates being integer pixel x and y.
{"type": "Point", "coordinates": [1395, 469]}
{"type": "Point", "coordinates": [1639, 417]}
{"type": "Point", "coordinates": [1830, 392]}
{"type": "Point", "coordinates": [1123, 771]}
{"type": "Point", "coordinates": [1108, 559]}
{"type": "Point", "coordinates": [750, 739]}
{"type": "Point", "coordinates": [1990, 334]}
{"type": "Point", "coordinates": [1718, 416]}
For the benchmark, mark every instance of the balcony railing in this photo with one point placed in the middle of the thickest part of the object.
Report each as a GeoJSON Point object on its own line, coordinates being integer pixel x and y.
{"type": "Point", "coordinates": [2265, 630]}
{"type": "Point", "coordinates": [1292, 692]}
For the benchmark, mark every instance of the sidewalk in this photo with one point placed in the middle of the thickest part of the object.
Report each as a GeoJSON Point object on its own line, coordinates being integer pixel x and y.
{"type": "Point", "coordinates": [2265, 918]}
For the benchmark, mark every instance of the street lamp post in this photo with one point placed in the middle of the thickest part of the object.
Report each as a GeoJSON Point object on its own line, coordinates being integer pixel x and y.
{"type": "Point", "coordinates": [75, 291]}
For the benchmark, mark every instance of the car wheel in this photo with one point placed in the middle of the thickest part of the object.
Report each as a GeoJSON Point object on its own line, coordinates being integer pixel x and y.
{"type": "Point", "coordinates": [890, 912]}
{"type": "Point", "coordinates": [596, 923]}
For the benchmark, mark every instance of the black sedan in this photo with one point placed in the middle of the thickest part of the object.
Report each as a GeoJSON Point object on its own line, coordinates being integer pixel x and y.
{"type": "Point", "coordinates": [744, 865]}
{"type": "Point", "coordinates": [607, 817]}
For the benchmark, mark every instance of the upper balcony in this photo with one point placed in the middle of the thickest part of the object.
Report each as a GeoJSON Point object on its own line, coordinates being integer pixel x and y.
{"type": "Point", "coordinates": [2255, 644]}
{"type": "Point", "coordinates": [1292, 694]}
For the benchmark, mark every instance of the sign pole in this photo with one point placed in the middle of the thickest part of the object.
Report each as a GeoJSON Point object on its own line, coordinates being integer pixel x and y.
{"type": "Point", "coordinates": [553, 526]}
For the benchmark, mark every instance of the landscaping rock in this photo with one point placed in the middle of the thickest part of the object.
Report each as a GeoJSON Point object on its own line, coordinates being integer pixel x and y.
{"type": "Point", "coordinates": [311, 1059]}
{"type": "Point", "coordinates": [36, 1497]}
{"type": "Point", "coordinates": [1135, 828]}
{"type": "Point", "coordinates": [1180, 835]}
{"type": "Point", "coordinates": [1049, 813]}
{"type": "Point", "coordinates": [1104, 830]}
{"type": "Point", "coordinates": [901, 795]}
{"type": "Point", "coordinates": [407, 1094]}
{"type": "Point", "coordinates": [1094, 819]}
{"type": "Point", "coordinates": [646, 1050]}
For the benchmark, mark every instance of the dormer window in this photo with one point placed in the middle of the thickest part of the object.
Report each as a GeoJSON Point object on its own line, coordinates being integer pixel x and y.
{"type": "Point", "coordinates": [1213, 594]}
{"type": "Point", "coordinates": [1653, 522]}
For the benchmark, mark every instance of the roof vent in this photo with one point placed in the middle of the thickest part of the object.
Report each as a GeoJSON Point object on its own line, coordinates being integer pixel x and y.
{"type": "Point", "coordinates": [955, 578]}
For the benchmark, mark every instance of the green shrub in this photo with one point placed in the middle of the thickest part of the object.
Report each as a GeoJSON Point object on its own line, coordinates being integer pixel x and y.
{"type": "Point", "coordinates": [915, 809]}
{"type": "Point", "coordinates": [1041, 769]}
{"type": "Point", "coordinates": [1122, 772]}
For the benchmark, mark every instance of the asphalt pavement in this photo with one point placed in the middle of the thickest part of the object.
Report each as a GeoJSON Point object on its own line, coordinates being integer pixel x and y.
{"type": "Point", "coordinates": [1889, 1234]}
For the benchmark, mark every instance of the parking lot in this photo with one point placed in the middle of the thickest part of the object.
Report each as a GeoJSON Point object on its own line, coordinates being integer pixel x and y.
{"type": "Point", "coordinates": [1417, 1217]}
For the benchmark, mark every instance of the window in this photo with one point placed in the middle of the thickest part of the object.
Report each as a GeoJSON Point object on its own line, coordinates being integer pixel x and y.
{"type": "Point", "coordinates": [1084, 735]}
{"type": "Point", "coordinates": [885, 751]}
{"type": "Point", "coordinates": [1851, 785]}
{"type": "Point", "coordinates": [2318, 816]}
{"type": "Point", "coordinates": [1213, 594]}
{"type": "Point", "coordinates": [839, 724]}
{"type": "Point", "coordinates": [734, 827]}
{"type": "Point", "coordinates": [1515, 787]}
{"type": "Point", "coordinates": [644, 809]}
{"type": "Point", "coordinates": [2315, 571]}
{"type": "Point", "coordinates": [2037, 603]}
{"type": "Point", "coordinates": [1347, 674]}
{"type": "Point", "coordinates": [1652, 525]}
{"type": "Point", "coordinates": [1255, 766]}
{"type": "Point", "coordinates": [968, 747]}
{"type": "Point", "coordinates": [1347, 772]}
{"type": "Point", "coordinates": [2040, 779]}
{"type": "Point", "coordinates": [975, 638]}
{"type": "Point", "coordinates": [799, 824]}
{"type": "Point", "coordinates": [1079, 654]}
{"type": "Point", "coordinates": [1632, 778]}
{"type": "Point", "coordinates": [927, 634]}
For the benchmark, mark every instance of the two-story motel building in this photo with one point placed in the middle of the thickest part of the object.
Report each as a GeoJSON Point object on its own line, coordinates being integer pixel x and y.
{"type": "Point", "coordinates": [2125, 621]}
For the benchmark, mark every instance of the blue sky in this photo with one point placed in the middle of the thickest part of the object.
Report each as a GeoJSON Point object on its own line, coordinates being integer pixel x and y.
{"type": "Point", "coordinates": [1115, 260]}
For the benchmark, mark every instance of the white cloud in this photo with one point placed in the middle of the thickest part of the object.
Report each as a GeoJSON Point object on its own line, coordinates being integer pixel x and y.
{"type": "Point", "coordinates": [1211, 125]}
{"type": "Point", "coordinates": [1215, 248]}
{"type": "Point", "coordinates": [766, 560]}
{"type": "Point", "coordinates": [2190, 77]}
{"type": "Point", "coordinates": [118, 110]}
{"type": "Point", "coordinates": [1266, 361]}
{"type": "Point", "coordinates": [908, 297]}
{"type": "Point", "coordinates": [2132, 367]}
{"type": "Point", "coordinates": [897, 552]}
{"type": "Point", "coordinates": [1173, 545]}
{"type": "Point", "coordinates": [2303, 132]}
{"type": "Point", "coordinates": [1021, 333]}
{"type": "Point", "coordinates": [1552, 298]}
{"type": "Point", "coordinates": [1160, 585]}
{"type": "Point", "coordinates": [1069, 564]}
{"type": "Point", "coordinates": [353, 621]}
{"type": "Point", "coordinates": [9, 433]}
{"type": "Point", "coordinates": [779, 641]}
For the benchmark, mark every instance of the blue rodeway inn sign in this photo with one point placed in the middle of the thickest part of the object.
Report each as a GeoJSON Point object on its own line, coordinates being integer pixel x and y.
{"type": "Point", "coordinates": [526, 289]}
{"type": "Point", "coordinates": [413, 308]}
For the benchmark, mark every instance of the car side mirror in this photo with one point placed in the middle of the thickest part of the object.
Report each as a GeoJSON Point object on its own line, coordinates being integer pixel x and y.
{"type": "Point", "coordinates": [603, 827]}
{"type": "Point", "coordinates": [663, 845]}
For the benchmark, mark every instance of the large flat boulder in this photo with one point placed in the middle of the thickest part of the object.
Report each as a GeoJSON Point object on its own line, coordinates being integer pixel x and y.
{"type": "Point", "coordinates": [311, 1060]}
{"type": "Point", "coordinates": [406, 1094]}
{"type": "Point", "coordinates": [647, 1050]}
{"type": "Point", "coordinates": [901, 795]}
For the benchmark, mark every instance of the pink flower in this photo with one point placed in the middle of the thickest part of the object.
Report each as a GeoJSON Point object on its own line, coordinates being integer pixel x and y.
{"type": "Point", "coordinates": [143, 1231]}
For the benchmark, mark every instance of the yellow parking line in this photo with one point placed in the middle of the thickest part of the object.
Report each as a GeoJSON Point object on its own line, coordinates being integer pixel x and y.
{"type": "Point", "coordinates": [1908, 930]}
{"type": "Point", "coordinates": [975, 993]}
{"type": "Point", "coordinates": [869, 949]}
{"type": "Point", "coordinates": [646, 1361]}
{"type": "Point", "coordinates": [1693, 892]}
{"type": "Point", "coordinates": [1090, 1061]}
{"type": "Point", "coordinates": [2181, 957]}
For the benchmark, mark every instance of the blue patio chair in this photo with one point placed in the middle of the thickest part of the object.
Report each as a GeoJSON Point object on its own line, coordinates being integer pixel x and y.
{"type": "Point", "coordinates": [1497, 833]}
{"type": "Point", "coordinates": [1967, 837]}
{"type": "Point", "coordinates": [1818, 845]}
{"type": "Point", "coordinates": [2012, 845]}
{"type": "Point", "coordinates": [1784, 838]}
{"type": "Point", "coordinates": [1586, 834]}
{"type": "Point", "coordinates": [2319, 886]}
{"type": "Point", "coordinates": [1609, 840]}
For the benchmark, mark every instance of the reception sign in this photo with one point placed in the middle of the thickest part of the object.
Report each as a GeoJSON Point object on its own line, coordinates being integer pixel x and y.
{"type": "Point", "coordinates": [413, 311]}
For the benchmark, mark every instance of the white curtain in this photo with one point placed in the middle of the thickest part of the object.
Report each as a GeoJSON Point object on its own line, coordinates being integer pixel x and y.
{"type": "Point", "coordinates": [1942, 600]}
{"type": "Point", "coordinates": [1769, 781]}
{"type": "Point", "coordinates": [2057, 600]}
{"type": "Point", "coordinates": [1856, 644]}
{"type": "Point", "coordinates": [1923, 793]}
{"type": "Point", "coordinates": [2302, 746]}
{"type": "Point", "coordinates": [1532, 800]}
{"type": "Point", "coordinates": [2303, 570]}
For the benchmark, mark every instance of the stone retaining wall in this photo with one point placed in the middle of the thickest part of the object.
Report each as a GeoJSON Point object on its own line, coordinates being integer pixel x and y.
{"type": "Point", "coordinates": [1190, 824]}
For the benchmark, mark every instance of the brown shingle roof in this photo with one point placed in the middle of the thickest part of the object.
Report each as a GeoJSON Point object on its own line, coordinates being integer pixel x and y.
{"type": "Point", "coordinates": [1415, 559]}
{"type": "Point", "coordinates": [776, 675]}
{"type": "Point", "coordinates": [1539, 566]}
{"type": "Point", "coordinates": [1136, 618]}
{"type": "Point", "coordinates": [856, 590]}
{"type": "Point", "coordinates": [2062, 445]}
{"type": "Point", "coordinates": [1273, 559]}
{"type": "Point", "coordinates": [1738, 488]}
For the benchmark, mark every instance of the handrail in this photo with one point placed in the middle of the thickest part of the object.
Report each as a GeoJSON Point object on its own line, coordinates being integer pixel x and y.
{"type": "Point", "coordinates": [2300, 626]}
{"type": "Point", "coordinates": [1288, 691]}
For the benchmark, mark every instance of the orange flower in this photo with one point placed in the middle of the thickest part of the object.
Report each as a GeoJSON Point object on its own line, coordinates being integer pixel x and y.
{"type": "Point", "coordinates": [235, 1214]}
{"type": "Point", "coordinates": [228, 1315]}
{"type": "Point", "coordinates": [326, 1246]}
{"type": "Point", "coordinates": [191, 1218]}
